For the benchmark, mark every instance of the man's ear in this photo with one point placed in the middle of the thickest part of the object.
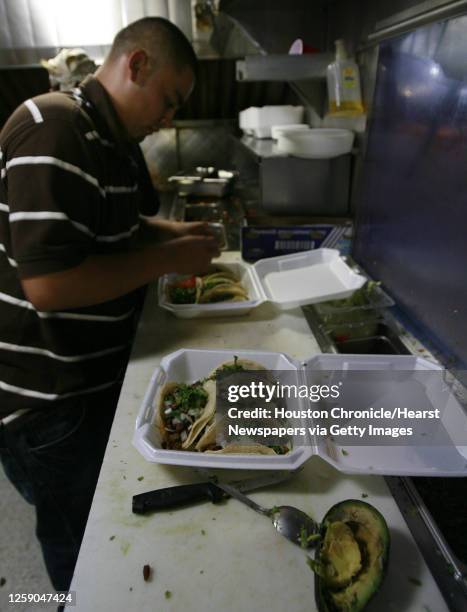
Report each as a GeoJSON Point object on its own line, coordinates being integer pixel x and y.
{"type": "Point", "coordinates": [138, 62]}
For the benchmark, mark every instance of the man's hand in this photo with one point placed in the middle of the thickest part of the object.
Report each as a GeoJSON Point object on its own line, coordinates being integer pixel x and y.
{"type": "Point", "coordinates": [161, 230]}
{"type": "Point", "coordinates": [186, 228]}
{"type": "Point", "coordinates": [191, 254]}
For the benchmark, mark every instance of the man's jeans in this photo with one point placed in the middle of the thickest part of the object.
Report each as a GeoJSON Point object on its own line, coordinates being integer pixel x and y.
{"type": "Point", "coordinates": [53, 459]}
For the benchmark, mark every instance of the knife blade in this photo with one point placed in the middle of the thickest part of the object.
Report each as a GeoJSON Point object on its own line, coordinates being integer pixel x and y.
{"type": "Point", "coordinates": [182, 495]}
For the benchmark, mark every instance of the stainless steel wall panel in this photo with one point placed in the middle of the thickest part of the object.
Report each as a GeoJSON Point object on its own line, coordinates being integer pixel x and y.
{"type": "Point", "coordinates": [160, 152]}
{"type": "Point", "coordinates": [290, 185]}
{"type": "Point", "coordinates": [204, 147]}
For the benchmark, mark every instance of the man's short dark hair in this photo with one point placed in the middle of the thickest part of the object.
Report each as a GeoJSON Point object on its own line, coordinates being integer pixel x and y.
{"type": "Point", "coordinates": [161, 40]}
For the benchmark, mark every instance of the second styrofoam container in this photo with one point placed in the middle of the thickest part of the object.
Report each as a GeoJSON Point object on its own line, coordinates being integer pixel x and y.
{"type": "Point", "coordinates": [217, 309]}
{"type": "Point", "coordinates": [287, 281]}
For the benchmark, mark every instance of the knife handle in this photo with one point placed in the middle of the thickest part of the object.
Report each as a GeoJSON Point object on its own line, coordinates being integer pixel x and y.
{"type": "Point", "coordinates": [173, 497]}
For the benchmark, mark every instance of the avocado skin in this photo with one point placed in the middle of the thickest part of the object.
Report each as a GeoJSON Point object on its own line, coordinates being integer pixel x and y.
{"type": "Point", "coordinates": [366, 582]}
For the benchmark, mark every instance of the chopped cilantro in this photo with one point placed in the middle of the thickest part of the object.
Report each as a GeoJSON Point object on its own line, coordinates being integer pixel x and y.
{"type": "Point", "coordinates": [227, 367]}
{"type": "Point", "coordinates": [168, 594]}
{"type": "Point", "coordinates": [188, 396]}
{"type": "Point", "coordinates": [306, 539]}
{"type": "Point", "coordinates": [313, 537]}
{"type": "Point", "coordinates": [182, 295]}
{"type": "Point", "coordinates": [344, 452]}
{"type": "Point", "coordinates": [303, 537]}
{"type": "Point", "coordinates": [315, 566]}
{"type": "Point", "coordinates": [140, 478]}
{"type": "Point", "coordinates": [364, 495]}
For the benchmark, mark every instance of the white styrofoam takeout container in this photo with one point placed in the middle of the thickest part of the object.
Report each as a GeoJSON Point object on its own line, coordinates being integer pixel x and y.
{"type": "Point", "coordinates": [189, 365]}
{"type": "Point", "coordinates": [287, 281]}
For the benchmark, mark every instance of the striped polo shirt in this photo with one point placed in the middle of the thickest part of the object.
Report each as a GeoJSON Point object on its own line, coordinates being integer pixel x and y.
{"type": "Point", "coordinates": [71, 186]}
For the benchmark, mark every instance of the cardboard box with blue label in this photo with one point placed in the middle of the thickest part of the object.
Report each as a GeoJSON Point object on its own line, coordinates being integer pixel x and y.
{"type": "Point", "coordinates": [260, 242]}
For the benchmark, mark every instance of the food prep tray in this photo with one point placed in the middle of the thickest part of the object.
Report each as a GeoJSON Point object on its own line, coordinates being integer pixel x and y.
{"type": "Point", "coordinates": [189, 365]}
{"type": "Point", "coordinates": [204, 182]}
{"type": "Point", "coordinates": [287, 281]}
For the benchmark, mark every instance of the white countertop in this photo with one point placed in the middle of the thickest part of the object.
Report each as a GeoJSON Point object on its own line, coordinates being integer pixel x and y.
{"type": "Point", "coordinates": [220, 557]}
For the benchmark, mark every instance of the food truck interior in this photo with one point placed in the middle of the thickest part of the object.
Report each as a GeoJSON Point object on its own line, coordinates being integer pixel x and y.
{"type": "Point", "coordinates": [398, 196]}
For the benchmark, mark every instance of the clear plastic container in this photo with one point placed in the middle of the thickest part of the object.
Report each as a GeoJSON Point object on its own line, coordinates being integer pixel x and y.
{"type": "Point", "coordinates": [365, 328]}
{"type": "Point", "coordinates": [366, 303]}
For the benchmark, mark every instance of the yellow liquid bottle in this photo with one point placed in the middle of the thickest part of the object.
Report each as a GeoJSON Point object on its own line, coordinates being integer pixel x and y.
{"type": "Point", "coordinates": [343, 81]}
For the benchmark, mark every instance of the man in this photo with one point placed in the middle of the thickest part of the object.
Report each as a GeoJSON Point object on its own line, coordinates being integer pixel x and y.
{"type": "Point", "coordinates": [75, 252]}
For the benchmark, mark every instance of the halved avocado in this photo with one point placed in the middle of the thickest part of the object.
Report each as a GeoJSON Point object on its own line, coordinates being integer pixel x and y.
{"type": "Point", "coordinates": [351, 560]}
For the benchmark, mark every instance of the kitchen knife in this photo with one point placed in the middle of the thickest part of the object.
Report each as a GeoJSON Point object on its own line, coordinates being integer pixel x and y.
{"type": "Point", "coordinates": [173, 497]}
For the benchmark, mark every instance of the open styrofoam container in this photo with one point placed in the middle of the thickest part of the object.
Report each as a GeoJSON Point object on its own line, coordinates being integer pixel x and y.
{"type": "Point", "coordinates": [287, 281]}
{"type": "Point", "coordinates": [189, 365]}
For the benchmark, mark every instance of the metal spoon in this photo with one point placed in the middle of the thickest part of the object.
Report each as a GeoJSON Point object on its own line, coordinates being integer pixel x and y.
{"type": "Point", "coordinates": [290, 522]}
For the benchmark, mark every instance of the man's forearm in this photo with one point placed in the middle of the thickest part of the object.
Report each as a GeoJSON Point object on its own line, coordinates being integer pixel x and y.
{"type": "Point", "coordinates": [101, 278]}
{"type": "Point", "coordinates": [154, 229]}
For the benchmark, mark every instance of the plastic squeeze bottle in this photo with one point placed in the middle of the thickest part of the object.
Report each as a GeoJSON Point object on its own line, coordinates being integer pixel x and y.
{"type": "Point", "coordinates": [343, 80]}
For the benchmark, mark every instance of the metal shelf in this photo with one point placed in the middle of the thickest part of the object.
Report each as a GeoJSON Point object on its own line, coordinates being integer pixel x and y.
{"type": "Point", "coordinates": [283, 67]}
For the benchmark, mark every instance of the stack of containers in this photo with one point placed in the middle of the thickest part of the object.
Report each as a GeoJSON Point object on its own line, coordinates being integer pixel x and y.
{"type": "Point", "coordinates": [258, 121]}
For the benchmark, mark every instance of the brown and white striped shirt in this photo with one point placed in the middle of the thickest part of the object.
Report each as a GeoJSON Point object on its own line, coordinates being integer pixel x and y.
{"type": "Point", "coordinates": [71, 186]}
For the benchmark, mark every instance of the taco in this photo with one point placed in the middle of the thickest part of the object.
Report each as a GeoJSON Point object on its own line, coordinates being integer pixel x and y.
{"type": "Point", "coordinates": [186, 415]}
{"type": "Point", "coordinates": [243, 449]}
{"type": "Point", "coordinates": [220, 285]}
{"type": "Point", "coordinates": [183, 411]}
{"type": "Point", "coordinates": [235, 365]}
{"type": "Point", "coordinates": [208, 443]}
{"type": "Point", "coordinates": [223, 292]}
